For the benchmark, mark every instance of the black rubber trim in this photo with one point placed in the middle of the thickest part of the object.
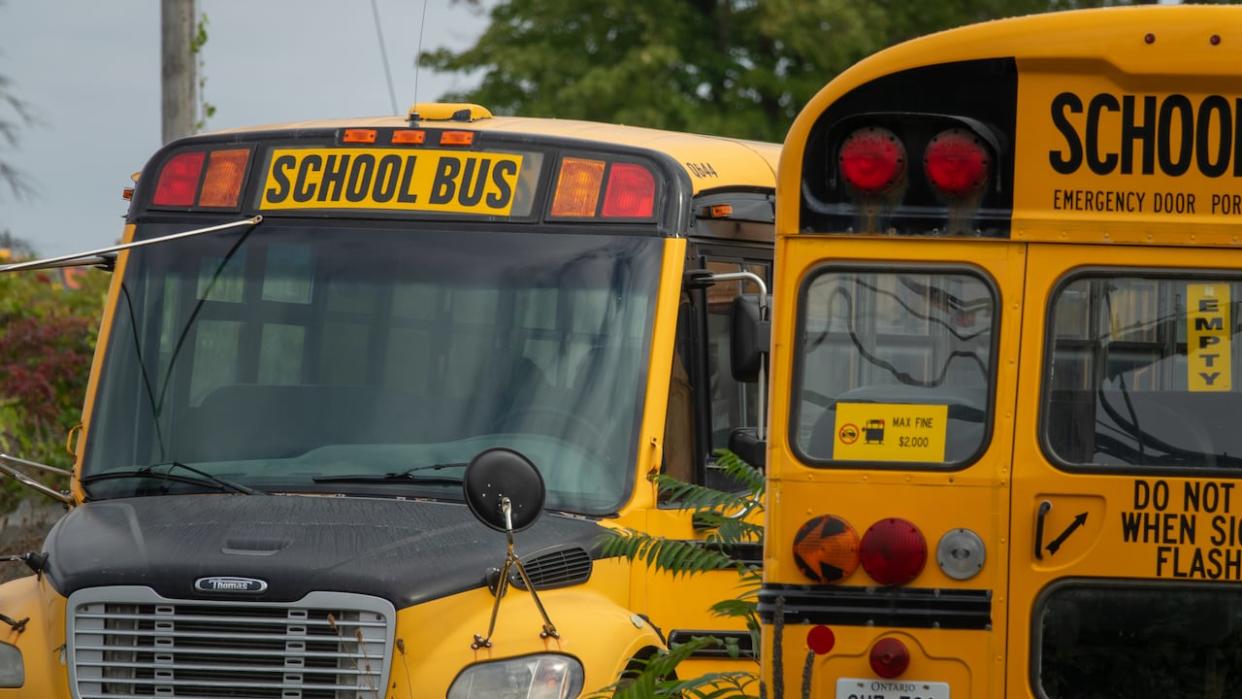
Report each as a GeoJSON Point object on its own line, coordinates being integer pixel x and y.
{"type": "Point", "coordinates": [917, 608]}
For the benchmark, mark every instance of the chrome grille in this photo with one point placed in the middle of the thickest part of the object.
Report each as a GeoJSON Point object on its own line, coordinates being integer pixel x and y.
{"type": "Point", "coordinates": [128, 642]}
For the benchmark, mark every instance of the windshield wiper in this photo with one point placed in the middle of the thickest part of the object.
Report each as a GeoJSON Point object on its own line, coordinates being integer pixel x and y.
{"type": "Point", "coordinates": [154, 471]}
{"type": "Point", "coordinates": [406, 476]}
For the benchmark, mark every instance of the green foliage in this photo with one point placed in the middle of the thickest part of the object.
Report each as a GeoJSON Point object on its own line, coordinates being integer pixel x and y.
{"type": "Point", "coordinates": [657, 677]}
{"type": "Point", "coordinates": [729, 67]}
{"type": "Point", "coordinates": [724, 516]}
{"type": "Point", "coordinates": [206, 110]}
{"type": "Point", "coordinates": [47, 339]}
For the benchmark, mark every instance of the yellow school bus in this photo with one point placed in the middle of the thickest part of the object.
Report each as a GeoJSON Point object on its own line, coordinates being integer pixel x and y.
{"type": "Point", "coordinates": [1005, 431]}
{"type": "Point", "coordinates": [313, 328]}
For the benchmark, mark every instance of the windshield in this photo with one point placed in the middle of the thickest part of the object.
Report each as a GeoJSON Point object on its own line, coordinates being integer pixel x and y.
{"type": "Point", "coordinates": [303, 352]}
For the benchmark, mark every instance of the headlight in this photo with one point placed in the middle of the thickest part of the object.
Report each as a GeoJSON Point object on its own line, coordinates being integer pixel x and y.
{"type": "Point", "coordinates": [543, 676]}
{"type": "Point", "coordinates": [12, 670]}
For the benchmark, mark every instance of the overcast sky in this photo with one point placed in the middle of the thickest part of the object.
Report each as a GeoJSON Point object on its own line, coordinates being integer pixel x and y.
{"type": "Point", "coordinates": [91, 71]}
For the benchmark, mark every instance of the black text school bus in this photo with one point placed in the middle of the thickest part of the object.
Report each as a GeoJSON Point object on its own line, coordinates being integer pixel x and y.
{"type": "Point", "coordinates": [268, 500]}
{"type": "Point", "coordinates": [1006, 434]}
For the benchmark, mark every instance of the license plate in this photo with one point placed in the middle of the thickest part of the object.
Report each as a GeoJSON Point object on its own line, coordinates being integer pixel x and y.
{"type": "Point", "coordinates": [855, 688]}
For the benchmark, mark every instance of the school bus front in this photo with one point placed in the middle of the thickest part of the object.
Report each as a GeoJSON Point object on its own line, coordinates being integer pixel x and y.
{"type": "Point", "coordinates": [1005, 452]}
{"type": "Point", "coordinates": [268, 500]}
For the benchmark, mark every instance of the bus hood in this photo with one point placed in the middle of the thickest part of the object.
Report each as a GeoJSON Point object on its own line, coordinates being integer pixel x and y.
{"type": "Point", "coordinates": [407, 552]}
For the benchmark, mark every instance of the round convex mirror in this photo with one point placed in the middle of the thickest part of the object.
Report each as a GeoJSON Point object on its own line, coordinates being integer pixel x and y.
{"type": "Point", "coordinates": [499, 473]}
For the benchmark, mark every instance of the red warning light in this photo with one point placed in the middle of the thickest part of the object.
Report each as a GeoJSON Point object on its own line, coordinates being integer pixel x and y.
{"type": "Point", "coordinates": [872, 160]}
{"type": "Point", "coordinates": [957, 163]}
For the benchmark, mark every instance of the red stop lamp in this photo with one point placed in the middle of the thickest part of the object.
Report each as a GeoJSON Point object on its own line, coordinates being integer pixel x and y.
{"type": "Point", "coordinates": [630, 192]}
{"type": "Point", "coordinates": [889, 658]}
{"type": "Point", "coordinates": [178, 181]}
{"type": "Point", "coordinates": [872, 160]}
{"type": "Point", "coordinates": [820, 639]}
{"type": "Point", "coordinates": [957, 163]}
{"type": "Point", "coordinates": [893, 551]}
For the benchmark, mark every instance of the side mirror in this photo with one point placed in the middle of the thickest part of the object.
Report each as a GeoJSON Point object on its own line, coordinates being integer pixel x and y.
{"type": "Point", "coordinates": [504, 490]}
{"type": "Point", "coordinates": [750, 338]}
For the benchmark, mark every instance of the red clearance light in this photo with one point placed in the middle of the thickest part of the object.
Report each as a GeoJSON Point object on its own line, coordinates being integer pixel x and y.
{"type": "Point", "coordinates": [889, 658]}
{"type": "Point", "coordinates": [413, 137]}
{"type": "Point", "coordinates": [893, 551]}
{"type": "Point", "coordinates": [577, 188]}
{"type": "Point", "coordinates": [957, 163]}
{"type": "Point", "coordinates": [456, 138]}
{"type": "Point", "coordinates": [630, 192]}
{"type": "Point", "coordinates": [872, 160]}
{"type": "Point", "coordinates": [359, 136]}
{"type": "Point", "coordinates": [225, 171]}
{"type": "Point", "coordinates": [178, 181]}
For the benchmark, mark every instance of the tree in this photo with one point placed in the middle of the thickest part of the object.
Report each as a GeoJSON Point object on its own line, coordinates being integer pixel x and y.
{"type": "Point", "coordinates": [14, 113]}
{"type": "Point", "coordinates": [730, 67]}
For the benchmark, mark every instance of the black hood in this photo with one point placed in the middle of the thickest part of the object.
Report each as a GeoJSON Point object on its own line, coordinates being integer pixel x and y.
{"type": "Point", "coordinates": [407, 552]}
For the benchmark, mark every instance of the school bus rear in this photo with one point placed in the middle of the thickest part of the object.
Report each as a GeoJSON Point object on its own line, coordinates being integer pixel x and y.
{"type": "Point", "coordinates": [1005, 447]}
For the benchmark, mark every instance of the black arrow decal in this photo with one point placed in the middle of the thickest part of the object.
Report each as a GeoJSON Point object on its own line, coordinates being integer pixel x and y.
{"type": "Point", "coordinates": [1055, 544]}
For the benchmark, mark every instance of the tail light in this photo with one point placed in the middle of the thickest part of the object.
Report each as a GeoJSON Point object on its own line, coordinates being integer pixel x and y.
{"type": "Point", "coordinates": [889, 658]}
{"type": "Point", "coordinates": [893, 551]}
{"type": "Point", "coordinates": [820, 639]}
{"type": "Point", "coordinates": [957, 163]}
{"type": "Point", "coordinates": [630, 192]}
{"type": "Point", "coordinates": [872, 160]}
{"type": "Point", "coordinates": [178, 181]}
{"type": "Point", "coordinates": [826, 549]}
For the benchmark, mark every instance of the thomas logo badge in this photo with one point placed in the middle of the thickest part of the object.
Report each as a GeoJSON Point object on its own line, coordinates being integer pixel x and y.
{"type": "Point", "coordinates": [244, 586]}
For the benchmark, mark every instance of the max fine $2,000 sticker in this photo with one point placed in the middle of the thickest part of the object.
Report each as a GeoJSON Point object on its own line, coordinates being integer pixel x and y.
{"type": "Point", "coordinates": [890, 432]}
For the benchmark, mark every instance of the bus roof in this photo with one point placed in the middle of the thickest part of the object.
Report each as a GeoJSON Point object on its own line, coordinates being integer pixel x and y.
{"type": "Point", "coordinates": [1121, 85]}
{"type": "Point", "coordinates": [711, 162]}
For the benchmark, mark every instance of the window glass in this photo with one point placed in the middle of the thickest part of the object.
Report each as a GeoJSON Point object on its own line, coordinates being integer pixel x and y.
{"type": "Point", "coordinates": [325, 350]}
{"type": "Point", "coordinates": [733, 404]}
{"type": "Point", "coordinates": [894, 366]}
{"type": "Point", "coordinates": [1166, 641]}
{"type": "Point", "coordinates": [1141, 373]}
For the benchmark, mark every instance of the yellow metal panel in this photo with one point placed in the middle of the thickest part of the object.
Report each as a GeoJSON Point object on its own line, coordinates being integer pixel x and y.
{"type": "Point", "coordinates": [43, 641]}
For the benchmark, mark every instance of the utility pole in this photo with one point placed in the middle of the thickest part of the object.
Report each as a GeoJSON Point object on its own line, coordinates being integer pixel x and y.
{"type": "Point", "coordinates": [178, 79]}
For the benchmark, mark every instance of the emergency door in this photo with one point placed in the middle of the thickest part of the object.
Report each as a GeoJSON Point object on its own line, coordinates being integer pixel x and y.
{"type": "Point", "coordinates": [1126, 550]}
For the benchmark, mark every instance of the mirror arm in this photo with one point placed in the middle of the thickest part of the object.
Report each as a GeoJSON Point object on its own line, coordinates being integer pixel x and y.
{"type": "Point", "coordinates": [701, 279]}
{"type": "Point", "coordinates": [35, 485]}
{"type": "Point", "coordinates": [100, 257]}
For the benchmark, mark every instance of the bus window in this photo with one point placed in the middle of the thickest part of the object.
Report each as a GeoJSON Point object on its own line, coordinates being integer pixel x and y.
{"type": "Point", "coordinates": [1140, 372]}
{"type": "Point", "coordinates": [873, 338]}
{"type": "Point", "coordinates": [1100, 640]}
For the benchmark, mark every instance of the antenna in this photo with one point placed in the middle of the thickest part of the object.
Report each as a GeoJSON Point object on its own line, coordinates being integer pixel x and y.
{"type": "Point", "coordinates": [418, 56]}
{"type": "Point", "coordinates": [379, 32]}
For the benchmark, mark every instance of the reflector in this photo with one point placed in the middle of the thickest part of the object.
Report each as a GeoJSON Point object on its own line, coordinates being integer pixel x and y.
{"type": "Point", "coordinates": [872, 160]}
{"type": "Point", "coordinates": [630, 193]}
{"type": "Point", "coordinates": [226, 169]}
{"type": "Point", "coordinates": [577, 188]}
{"type": "Point", "coordinates": [456, 138]}
{"type": "Point", "coordinates": [893, 551]}
{"type": "Point", "coordinates": [957, 163]}
{"type": "Point", "coordinates": [178, 181]}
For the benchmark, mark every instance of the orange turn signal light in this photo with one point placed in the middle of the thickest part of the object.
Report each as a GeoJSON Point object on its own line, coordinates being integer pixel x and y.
{"type": "Point", "coordinates": [577, 188]}
{"type": "Point", "coordinates": [720, 211]}
{"type": "Point", "coordinates": [412, 137]}
{"type": "Point", "coordinates": [226, 169]}
{"type": "Point", "coordinates": [359, 136]}
{"type": "Point", "coordinates": [456, 138]}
